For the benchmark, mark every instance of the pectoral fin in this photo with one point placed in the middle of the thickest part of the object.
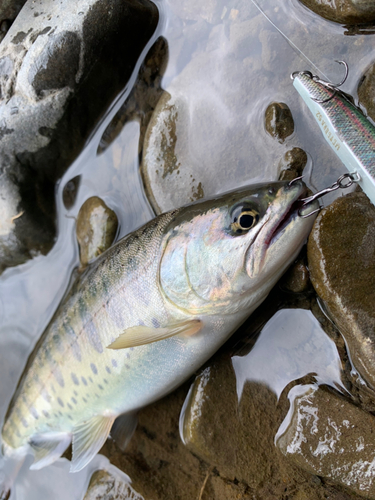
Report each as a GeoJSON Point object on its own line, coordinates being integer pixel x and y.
{"type": "Point", "coordinates": [88, 438]}
{"type": "Point", "coordinates": [47, 449]}
{"type": "Point", "coordinates": [140, 335]}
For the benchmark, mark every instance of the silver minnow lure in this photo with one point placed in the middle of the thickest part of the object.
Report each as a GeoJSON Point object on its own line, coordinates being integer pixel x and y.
{"type": "Point", "coordinates": [147, 314]}
{"type": "Point", "coordinates": [350, 134]}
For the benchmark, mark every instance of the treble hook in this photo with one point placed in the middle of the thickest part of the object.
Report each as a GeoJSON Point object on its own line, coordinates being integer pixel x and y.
{"type": "Point", "coordinates": [328, 85]}
{"type": "Point", "coordinates": [343, 182]}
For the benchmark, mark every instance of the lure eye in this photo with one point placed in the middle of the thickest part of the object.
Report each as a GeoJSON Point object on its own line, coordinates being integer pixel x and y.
{"type": "Point", "coordinates": [244, 221]}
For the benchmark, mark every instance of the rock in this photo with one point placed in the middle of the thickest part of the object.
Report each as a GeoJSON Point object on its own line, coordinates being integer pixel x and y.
{"type": "Point", "coordinates": [366, 93]}
{"type": "Point", "coordinates": [9, 10]}
{"type": "Point", "coordinates": [70, 192]}
{"type": "Point", "coordinates": [109, 486]}
{"type": "Point", "coordinates": [96, 229]}
{"type": "Point", "coordinates": [329, 437]}
{"type": "Point", "coordinates": [144, 96]}
{"type": "Point", "coordinates": [297, 278]}
{"type": "Point", "coordinates": [279, 121]}
{"type": "Point", "coordinates": [58, 75]}
{"type": "Point", "coordinates": [343, 11]}
{"type": "Point", "coordinates": [341, 259]}
{"type": "Point", "coordinates": [292, 164]}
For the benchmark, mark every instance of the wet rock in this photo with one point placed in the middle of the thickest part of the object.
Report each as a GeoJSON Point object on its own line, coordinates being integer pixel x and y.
{"type": "Point", "coordinates": [332, 438]}
{"type": "Point", "coordinates": [292, 164]}
{"type": "Point", "coordinates": [297, 278]}
{"type": "Point", "coordinates": [279, 121]}
{"type": "Point", "coordinates": [343, 11]}
{"type": "Point", "coordinates": [70, 192]}
{"type": "Point", "coordinates": [143, 98]}
{"type": "Point", "coordinates": [341, 259]}
{"type": "Point", "coordinates": [58, 74]}
{"type": "Point", "coordinates": [96, 229]}
{"type": "Point", "coordinates": [110, 486]}
{"type": "Point", "coordinates": [9, 10]}
{"type": "Point", "coordinates": [366, 91]}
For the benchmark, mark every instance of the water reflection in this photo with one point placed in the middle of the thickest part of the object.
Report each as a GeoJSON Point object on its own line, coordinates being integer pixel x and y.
{"type": "Point", "coordinates": [291, 345]}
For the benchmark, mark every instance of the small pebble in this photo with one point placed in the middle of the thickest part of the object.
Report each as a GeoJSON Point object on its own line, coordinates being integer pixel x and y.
{"type": "Point", "coordinates": [279, 121]}
{"type": "Point", "coordinates": [96, 229]}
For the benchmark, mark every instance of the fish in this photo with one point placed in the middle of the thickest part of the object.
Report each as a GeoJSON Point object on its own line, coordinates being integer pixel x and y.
{"type": "Point", "coordinates": [344, 126]}
{"type": "Point", "coordinates": [147, 314]}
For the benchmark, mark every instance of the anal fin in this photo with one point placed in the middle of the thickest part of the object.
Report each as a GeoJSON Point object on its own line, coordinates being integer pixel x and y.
{"type": "Point", "coordinates": [48, 448]}
{"type": "Point", "coordinates": [140, 335]}
{"type": "Point", "coordinates": [123, 429]}
{"type": "Point", "coordinates": [88, 437]}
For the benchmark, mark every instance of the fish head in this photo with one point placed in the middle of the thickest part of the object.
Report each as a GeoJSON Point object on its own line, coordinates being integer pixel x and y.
{"type": "Point", "coordinates": [225, 253]}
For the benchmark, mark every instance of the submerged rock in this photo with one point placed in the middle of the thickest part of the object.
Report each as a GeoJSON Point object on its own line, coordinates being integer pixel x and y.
{"type": "Point", "coordinates": [107, 486]}
{"type": "Point", "coordinates": [366, 91]}
{"type": "Point", "coordinates": [58, 74]}
{"type": "Point", "coordinates": [292, 164]}
{"type": "Point", "coordinates": [343, 11]}
{"type": "Point", "coordinates": [70, 192]}
{"type": "Point", "coordinates": [96, 229]}
{"type": "Point", "coordinates": [279, 121]}
{"type": "Point", "coordinates": [332, 438]}
{"type": "Point", "coordinates": [341, 259]}
{"type": "Point", "coordinates": [9, 10]}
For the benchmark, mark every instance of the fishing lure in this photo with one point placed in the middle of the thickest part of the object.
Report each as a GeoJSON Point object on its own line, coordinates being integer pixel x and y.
{"type": "Point", "coordinates": [350, 134]}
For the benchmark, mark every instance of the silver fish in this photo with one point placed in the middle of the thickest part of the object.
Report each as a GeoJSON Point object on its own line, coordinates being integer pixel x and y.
{"type": "Point", "coordinates": [149, 313]}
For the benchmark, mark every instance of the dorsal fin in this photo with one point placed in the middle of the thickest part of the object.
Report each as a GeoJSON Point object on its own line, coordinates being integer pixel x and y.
{"type": "Point", "coordinates": [140, 335]}
{"type": "Point", "coordinates": [88, 437]}
{"type": "Point", "coordinates": [48, 448]}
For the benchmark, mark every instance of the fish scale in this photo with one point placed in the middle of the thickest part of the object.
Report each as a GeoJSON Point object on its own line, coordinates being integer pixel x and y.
{"type": "Point", "coordinates": [147, 314]}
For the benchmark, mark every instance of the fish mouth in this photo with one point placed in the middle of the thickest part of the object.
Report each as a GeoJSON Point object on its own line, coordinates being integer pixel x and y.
{"type": "Point", "coordinates": [278, 226]}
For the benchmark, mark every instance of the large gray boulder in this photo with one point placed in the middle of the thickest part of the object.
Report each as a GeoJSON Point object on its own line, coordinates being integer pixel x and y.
{"type": "Point", "coordinates": [61, 65]}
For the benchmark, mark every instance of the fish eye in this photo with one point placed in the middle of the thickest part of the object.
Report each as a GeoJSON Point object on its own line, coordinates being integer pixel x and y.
{"type": "Point", "coordinates": [244, 219]}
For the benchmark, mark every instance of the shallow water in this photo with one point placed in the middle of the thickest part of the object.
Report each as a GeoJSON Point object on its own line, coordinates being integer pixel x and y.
{"type": "Point", "coordinates": [226, 88]}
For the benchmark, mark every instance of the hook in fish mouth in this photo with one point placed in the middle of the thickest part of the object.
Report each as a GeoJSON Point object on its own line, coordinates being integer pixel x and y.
{"type": "Point", "coordinates": [344, 181]}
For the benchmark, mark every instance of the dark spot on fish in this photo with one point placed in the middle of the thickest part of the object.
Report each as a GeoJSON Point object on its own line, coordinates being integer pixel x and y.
{"type": "Point", "coordinates": [108, 369]}
{"type": "Point", "coordinates": [74, 401]}
{"type": "Point", "coordinates": [34, 413]}
{"type": "Point", "coordinates": [58, 376]}
{"type": "Point", "coordinates": [155, 323]}
{"type": "Point", "coordinates": [84, 400]}
{"type": "Point", "coordinates": [128, 355]}
{"type": "Point", "coordinates": [76, 351]}
{"type": "Point", "coordinates": [87, 395]}
{"type": "Point", "coordinates": [53, 388]}
{"type": "Point", "coordinates": [105, 380]}
{"type": "Point", "coordinates": [70, 406]}
{"type": "Point", "coordinates": [93, 336]}
{"type": "Point", "coordinates": [132, 348]}
{"type": "Point", "coordinates": [94, 369]}
{"type": "Point", "coordinates": [101, 387]}
{"type": "Point", "coordinates": [91, 380]}
{"type": "Point", "coordinates": [45, 395]}
{"type": "Point", "coordinates": [127, 366]}
{"type": "Point", "coordinates": [57, 341]}
{"type": "Point", "coordinates": [114, 363]}
{"type": "Point", "coordinates": [74, 378]}
{"type": "Point", "coordinates": [24, 423]}
{"type": "Point", "coordinates": [97, 395]}
{"type": "Point", "coordinates": [84, 381]}
{"type": "Point", "coordinates": [18, 433]}
{"type": "Point", "coordinates": [45, 413]}
{"type": "Point", "coordinates": [75, 393]}
{"type": "Point", "coordinates": [59, 400]}
{"type": "Point", "coordinates": [69, 417]}
{"type": "Point", "coordinates": [60, 413]}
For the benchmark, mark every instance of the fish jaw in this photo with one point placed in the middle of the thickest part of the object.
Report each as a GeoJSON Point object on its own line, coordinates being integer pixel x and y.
{"type": "Point", "coordinates": [282, 235]}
